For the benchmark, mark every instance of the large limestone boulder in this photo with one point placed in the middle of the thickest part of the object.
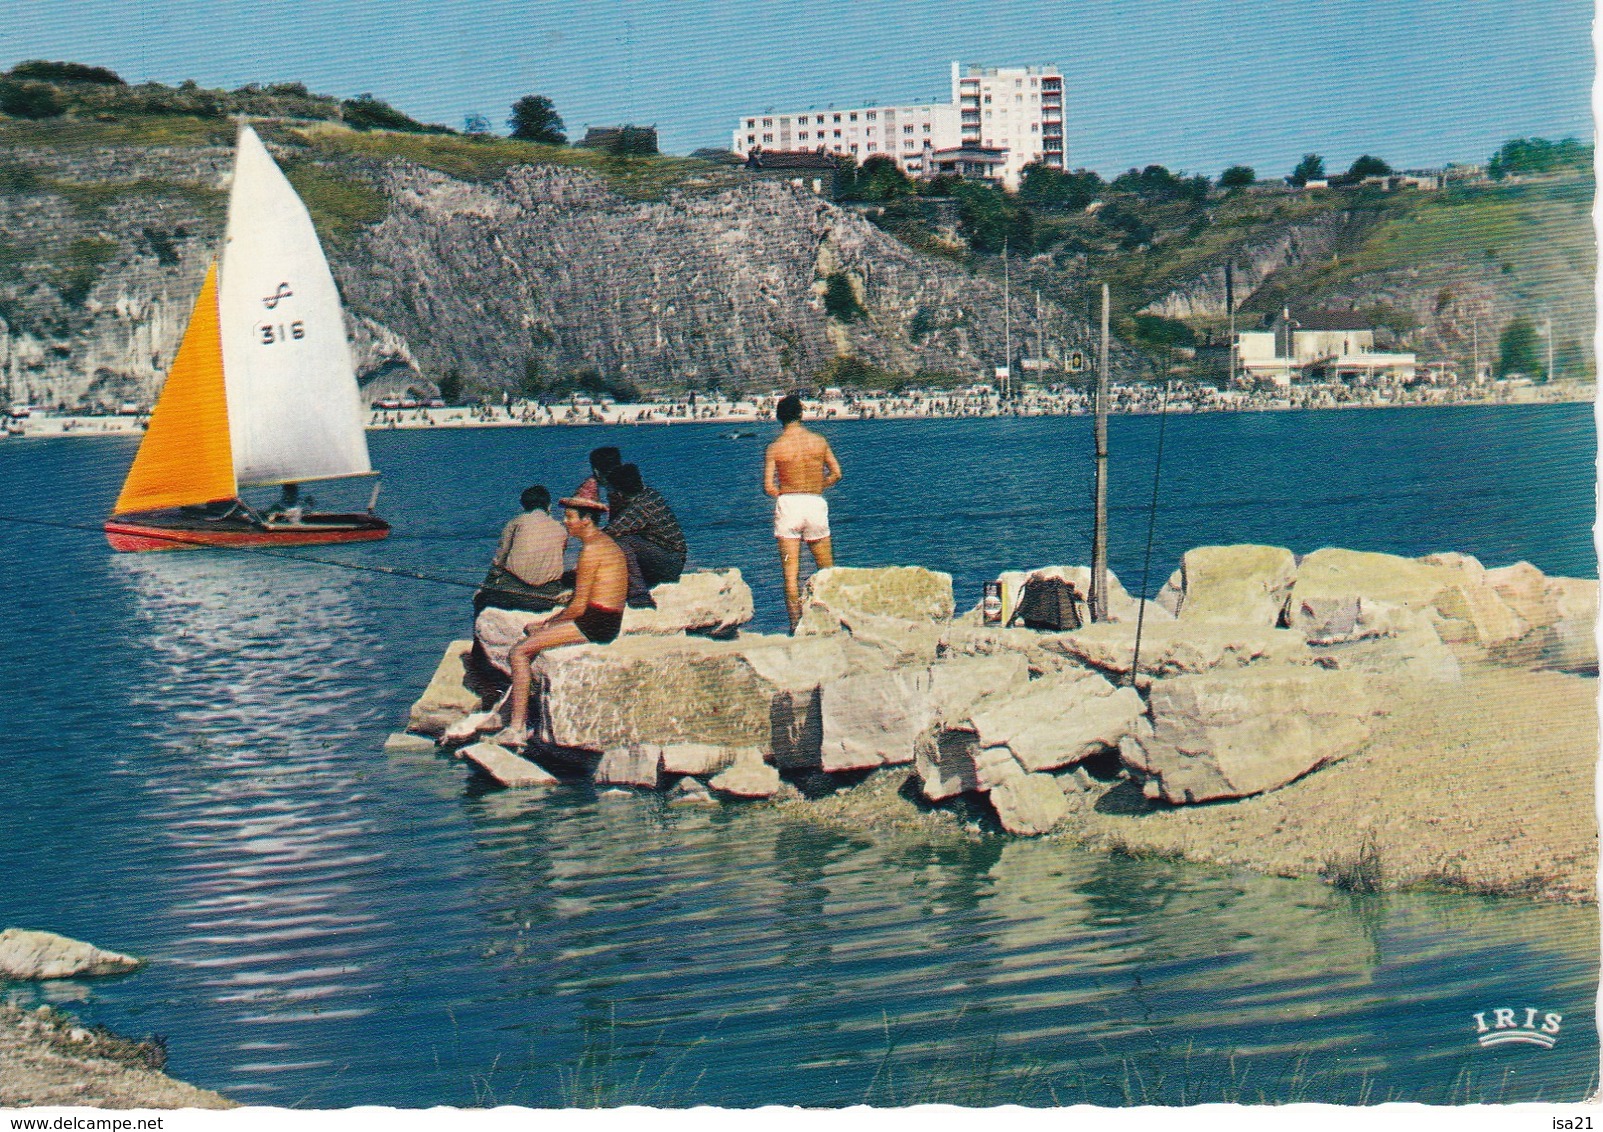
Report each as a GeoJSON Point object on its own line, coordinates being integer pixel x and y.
{"type": "Point", "coordinates": [747, 778]}
{"type": "Point", "coordinates": [710, 603]}
{"type": "Point", "coordinates": [1228, 734]}
{"type": "Point", "coordinates": [634, 764]}
{"type": "Point", "coordinates": [707, 603]}
{"type": "Point", "coordinates": [1241, 585]}
{"type": "Point", "coordinates": [1176, 648]}
{"type": "Point", "coordinates": [448, 697]}
{"type": "Point", "coordinates": [1029, 804]}
{"type": "Point", "coordinates": [943, 759]}
{"type": "Point", "coordinates": [1561, 614]}
{"type": "Point", "coordinates": [26, 954]}
{"type": "Point", "coordinates": [873, 719]}
{"type": "Point", "coordinates": [795, 669]}
{"type": "Point", "coordinates": [835, 597]}
{"type": "Point", "coordinates": [1453, 590]}
{"type": "Point", "coordinates": [702, 759]}
{"type": "Point", "coordinates": [647, 689]}
{"type": "Point", "coordinates": [959, 682]}
{"type": "Point", "coordinates": [1058, 721]}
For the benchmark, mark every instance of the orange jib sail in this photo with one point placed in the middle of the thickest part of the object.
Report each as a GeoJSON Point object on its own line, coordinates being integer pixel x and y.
{"type": "Point", "coordinates": [186, 457]}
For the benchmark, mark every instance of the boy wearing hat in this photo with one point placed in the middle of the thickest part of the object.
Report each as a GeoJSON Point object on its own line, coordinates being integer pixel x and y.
{"type": "Point", "coordinates": [595, 614]}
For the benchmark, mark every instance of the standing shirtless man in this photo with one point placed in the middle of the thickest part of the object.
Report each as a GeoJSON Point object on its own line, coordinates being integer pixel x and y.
{"type": "Point", "coordinates": [797, 470]}
{"type": "Point", "coordinates": [595, 614]}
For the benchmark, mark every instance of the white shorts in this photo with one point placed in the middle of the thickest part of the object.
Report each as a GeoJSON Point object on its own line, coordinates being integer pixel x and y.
{"type": "Point", "coordinates": [801, 516]}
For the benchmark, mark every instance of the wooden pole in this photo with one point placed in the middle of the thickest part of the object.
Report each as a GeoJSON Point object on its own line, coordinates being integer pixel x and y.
{"type": "Point", "coordinates": [1099, 540]}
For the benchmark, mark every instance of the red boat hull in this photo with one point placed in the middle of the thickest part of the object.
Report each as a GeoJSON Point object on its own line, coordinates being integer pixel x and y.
{"type": "Point", "coordinates": [137, 533]}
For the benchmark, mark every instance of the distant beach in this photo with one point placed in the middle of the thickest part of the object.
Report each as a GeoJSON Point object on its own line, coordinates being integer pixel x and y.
{"type": "Point", "coordinates": [976, 402]}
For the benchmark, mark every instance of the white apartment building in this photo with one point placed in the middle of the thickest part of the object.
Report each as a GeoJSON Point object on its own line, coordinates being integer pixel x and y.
{"type": "Point", "coordinates": [860, 132]}
{"type": "Point", "coordinates": [1016, 109]}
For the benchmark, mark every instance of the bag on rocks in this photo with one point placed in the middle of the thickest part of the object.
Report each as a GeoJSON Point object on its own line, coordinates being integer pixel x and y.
{"type": "Point", "coordinates": [1048, 603]}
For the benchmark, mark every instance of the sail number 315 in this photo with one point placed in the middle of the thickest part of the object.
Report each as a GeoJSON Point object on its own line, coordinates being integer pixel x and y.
{"type": "Point", "coordinates": [281, 333]}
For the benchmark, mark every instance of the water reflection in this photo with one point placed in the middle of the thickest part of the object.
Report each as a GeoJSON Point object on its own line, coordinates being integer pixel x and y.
{"type": "Point", "coordinates": [765, 959]}
{"type": "Point", "coordinates": [245, 690]}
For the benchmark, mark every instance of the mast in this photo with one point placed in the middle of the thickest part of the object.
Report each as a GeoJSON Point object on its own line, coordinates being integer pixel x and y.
{"type": "Point", "coordinates": [1040, 345]}
{"type": "Point", "coordinates": [1099, 540]}
{"type": "Point", "coordinates": [1230, 307]}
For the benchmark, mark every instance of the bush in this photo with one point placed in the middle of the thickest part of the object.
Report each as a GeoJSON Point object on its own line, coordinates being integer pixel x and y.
{"type": "Point", "coordinates": [990, 219]}
{"type": "Point", "coordinates": [840, 298]}
{"type": "Point", "coordinates": [1518, 348]}
{"type": "Point", "coordinates": [880, 178]}
{"type": "Point", "coordinates": [364, 112]}
{"type": "Point", "coordinates": [29, 100]}
{"type": "Point", "coordinates": [49, 72]}
{"type": "Point", "coordinates": [1538, 155]}
{"type": "Point", "coordinates": [1237, 177]}
{"type": "Point", "coordinates": [1050, 187]}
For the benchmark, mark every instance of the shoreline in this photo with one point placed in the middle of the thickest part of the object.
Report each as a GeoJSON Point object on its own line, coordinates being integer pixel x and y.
{"type": "Point", "coordinates": [1127, 401]}
{"type": "Point", "coordinates": [49, 1059]}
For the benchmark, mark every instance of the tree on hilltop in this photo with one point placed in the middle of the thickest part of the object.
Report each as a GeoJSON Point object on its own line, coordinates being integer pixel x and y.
{"type": "Point", "coordinates": [1051, 187]}
{"type": "Point", "coordinates": [1368, 166]}
{"type": "Point", "coordinates": [535, 119]}
{"type": "Point", "coordinates": [1237, 177]}
{"type": "Point", "coordinates": [879, 178]}
{"type": "Point", "coordinates": [1538, 155]}
{"type": "Point", "coordinates": [1310, 168]}
{"type": "Point", "coordinates": [29, 100]}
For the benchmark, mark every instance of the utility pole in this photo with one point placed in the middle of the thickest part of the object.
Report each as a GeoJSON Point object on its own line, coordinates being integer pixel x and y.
{"type": "Point", "coordinates": [1476, 323]}
{"type": "Point", "coordinates": [1040, 341]}
{"type": "Point", "coordinates": [1099, 540]}
{"type": "Point", "coordinates": [1547, 321]}
{"type": "Point", "coordinates": [1230, 308]}
{"type": "Point", "coordinates": [1007, 322]}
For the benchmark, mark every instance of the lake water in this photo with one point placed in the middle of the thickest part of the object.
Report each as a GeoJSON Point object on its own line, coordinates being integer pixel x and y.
{"type": "Point", "coordinates": [193, 752]}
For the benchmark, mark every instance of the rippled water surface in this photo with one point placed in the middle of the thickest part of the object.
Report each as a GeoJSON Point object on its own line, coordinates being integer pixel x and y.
{"type": "Point", "coordinates": [193, 748]}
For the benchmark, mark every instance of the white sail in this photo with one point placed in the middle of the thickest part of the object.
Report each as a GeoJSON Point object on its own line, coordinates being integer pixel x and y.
{"type": "Point", "coordinates": [294, 410]}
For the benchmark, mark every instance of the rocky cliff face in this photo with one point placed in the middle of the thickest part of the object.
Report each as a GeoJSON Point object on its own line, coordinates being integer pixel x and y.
{"type": "Point", "coordinates": [544, 271]}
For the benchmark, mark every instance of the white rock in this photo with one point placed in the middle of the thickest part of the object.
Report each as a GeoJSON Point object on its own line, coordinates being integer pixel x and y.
{"type": "Point", "coordinates": [747, 779]}
{"type": "Point", "coordinates": [908, 593]}
{"type": "Point", "coordinates": [1229, 734]}
{"type": "Point", "coordinates": [872, 719]}
{"type": "Point", "coordinates": [505, 767]}
{"type": "Point", "coordinates": [404, 741]}
{"type": "Point", "coordinates": [448, 697]}
{"type": "Point", "coordinates": [712, 603]}
{"type": "Point", "coordinates": [26, 954]}
{"type": "Point", "coordinates": [1029, 804]}
{"type": "Point", "coordinates": [702, 759]}
{"type": "Point", "coordinates": [1242, 585]}
{"type": "Point", "coordinates": [944, 762]}
{"type": "Point", "coordinates": [994, 766]}
{"type": "Point", "coordinates": [636, 764]}
{"type": "Point", "coordinates": [1058, 721]}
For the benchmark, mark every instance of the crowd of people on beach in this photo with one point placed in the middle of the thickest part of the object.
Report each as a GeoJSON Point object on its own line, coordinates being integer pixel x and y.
{"type": "Point", "coordinates": [629, 541]}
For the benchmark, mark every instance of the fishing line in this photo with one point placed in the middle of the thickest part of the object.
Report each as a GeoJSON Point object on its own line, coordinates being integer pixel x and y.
{"type": "Point", "coordinates": [392, 571]}
{"type": "Point", "coordinates": [1152, 526]}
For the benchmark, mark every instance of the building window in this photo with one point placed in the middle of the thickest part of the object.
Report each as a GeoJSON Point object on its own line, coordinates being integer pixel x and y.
{"type": "Point", "coordinates": [987, 113]}
{"type": "Point", "coordinates": [854, 147]}
{"type": "Point", "coordinates": [751, 139]}
{"type": "Point", "coordinates": [907, 129]}
{"type": "Point", "coordinates": [768, 137]}
{"type": "Point", "coordinates": [908, 143]}
{"type": "Point", "coordinates": [1035, 127]}
{"type": "Point", "coordinates": [853, 116]}
{"type": "Point", "coordinates": [768, 121]}
{"type": "Point", "coordinates": [987, 99]}
{"type": "Point", "coordinates": [803, 134]}
{"type": "Point", "coordinates": [751, 123]}
{"type": "Point", "coordinates": [926, 127]}
{"type": "Point", "coordinates": [871, 147]}
{"type": "Point", "coordinates": [1032, 82]}
{"type": "Point", "coordinates": [837, 133]}
{"type": "Point", "coordinates": [872, 115]}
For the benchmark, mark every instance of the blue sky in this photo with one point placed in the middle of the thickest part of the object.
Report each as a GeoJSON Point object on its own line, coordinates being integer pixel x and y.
{"type": "Point", "coordinates": [1193, 84]}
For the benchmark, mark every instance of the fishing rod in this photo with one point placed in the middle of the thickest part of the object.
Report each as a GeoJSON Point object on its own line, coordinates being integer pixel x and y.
{"type": "Point", "coordinates": [391, 571]}
{"type": "Point", "coordinates": [1152, 526]}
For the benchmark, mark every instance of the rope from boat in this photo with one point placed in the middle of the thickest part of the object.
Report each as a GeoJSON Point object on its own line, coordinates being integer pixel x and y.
{"type": "Point", "coordinates": [392, 571]}
{"type": "Point", "coordinates": [1152, 526]}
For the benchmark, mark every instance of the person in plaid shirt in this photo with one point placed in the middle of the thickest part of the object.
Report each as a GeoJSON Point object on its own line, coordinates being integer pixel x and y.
{"type": "Point", "coordinates": [644, 527]}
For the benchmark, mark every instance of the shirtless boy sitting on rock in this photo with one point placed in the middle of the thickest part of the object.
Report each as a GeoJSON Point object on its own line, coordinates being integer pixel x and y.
{"type": "Point", "coordinates": [595, 614]}
{"type": "Point", "coordinates": [797, 470]}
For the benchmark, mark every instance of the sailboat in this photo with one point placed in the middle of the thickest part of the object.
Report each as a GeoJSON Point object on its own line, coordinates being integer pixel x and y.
{"type": "Point", "coordinates": [262, 391]}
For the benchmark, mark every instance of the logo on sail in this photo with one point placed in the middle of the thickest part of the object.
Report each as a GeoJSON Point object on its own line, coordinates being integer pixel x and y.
{"type": "Point", "coordinates": [1506, 1026]}
{"type": "Point", "coordinates": [280, 293]}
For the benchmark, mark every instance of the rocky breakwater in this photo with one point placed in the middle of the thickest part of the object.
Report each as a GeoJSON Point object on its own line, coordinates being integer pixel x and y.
{"type": "Point", "coordinates": [1255, 669]}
